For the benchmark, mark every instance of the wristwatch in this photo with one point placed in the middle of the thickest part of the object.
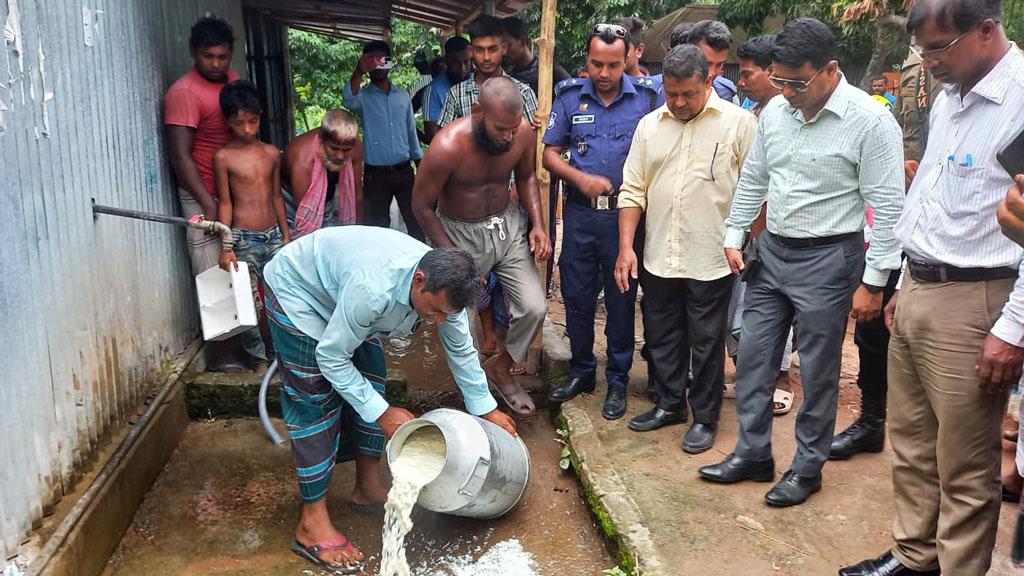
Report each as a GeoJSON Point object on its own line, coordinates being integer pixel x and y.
{"type": "Point", "coordinates": [872, 288]}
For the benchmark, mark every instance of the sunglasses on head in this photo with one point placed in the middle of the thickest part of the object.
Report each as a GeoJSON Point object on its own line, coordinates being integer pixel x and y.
{"type": "Point", "coordinates": [795, 85]}
{"type": "Point", "coordinates": [611, 30]}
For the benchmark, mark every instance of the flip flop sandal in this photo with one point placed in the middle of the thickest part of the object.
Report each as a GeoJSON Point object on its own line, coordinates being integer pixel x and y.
{"type": "Point", "coordinates": [518, 370]}
{"type": "Point", "coordinates": [519, 411]}
{"type": "Point", "coordinates": [782, 397]}
{"type": "Point", "coordinates": [311, 554]}
{"type": "Point", "coordinates": [375, 509]}
{"type": "Point", "coordinates": [495, 387]}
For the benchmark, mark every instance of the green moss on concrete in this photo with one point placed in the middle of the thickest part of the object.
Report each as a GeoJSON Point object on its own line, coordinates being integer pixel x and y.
{"type": "Point", "coordinates": [627, 562]}
{"type": "Point", "coordinates": [557, 380]}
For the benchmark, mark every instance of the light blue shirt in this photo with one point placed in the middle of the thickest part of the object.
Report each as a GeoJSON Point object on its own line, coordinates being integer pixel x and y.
{"type": "Point", "coordinates": [818, 175]}
{"type": "Point", "coordinates": [433, 98]}
{"type": "Point", "coordinates": [344, 285]}
{"type": "Point", "coordinates": [389, 125]}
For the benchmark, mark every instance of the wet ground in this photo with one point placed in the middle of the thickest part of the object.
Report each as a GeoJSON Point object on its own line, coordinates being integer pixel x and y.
{"type": "Point", "coordinates": [227, 505]}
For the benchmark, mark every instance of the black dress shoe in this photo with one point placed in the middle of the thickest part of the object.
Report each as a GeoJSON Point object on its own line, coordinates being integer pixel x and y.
{"type": "Point", "coordinates": [700, 438]}
{"type": "Point", "coordinates": [793, 489]}
{"type": "Point", "coordinates": [866, 434]}
{"type": "Point", "coordinates": [572, 388]}
{"type": "Point", "coordinates": [735, 469]}
{"type": "Point", "coordinates": [884, 565]}
{"type": "Point", "coordinates": [655, 418]}
{"type": "Point", "coordinates": [614, 403]}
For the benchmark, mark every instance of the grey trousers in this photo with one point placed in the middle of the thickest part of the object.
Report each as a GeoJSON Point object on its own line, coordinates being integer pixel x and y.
{"type": "Point", "coordinates": [498, 243]}
{"type": "Point", "coordinates": [203, 249]}
{"type": "Point", "coordinates": [816, 286]}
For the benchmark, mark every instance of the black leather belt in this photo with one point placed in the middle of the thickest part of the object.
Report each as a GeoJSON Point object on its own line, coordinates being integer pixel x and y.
{"type": "Point", "coordinates": [575, 196]}
{"type": "Point", "coordinates": [815, 242]}
{"type": "Point", "coordinates": [394, 168]}
{"type": "Point", "coordinates": [925, 272]}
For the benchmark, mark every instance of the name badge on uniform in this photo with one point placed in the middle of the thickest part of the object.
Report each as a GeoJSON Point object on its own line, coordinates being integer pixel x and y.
{"type": "Point", "coordinates": [584, 119]}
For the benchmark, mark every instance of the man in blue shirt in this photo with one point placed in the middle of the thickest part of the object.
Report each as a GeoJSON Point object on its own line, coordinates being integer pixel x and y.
{"type": "Point", "coordinates": [458, 64]}
{"type": "Point", "coordinates": [390, 139]}
{"type": "Point", "coordinates": [595, 118]}
{"type": "Point", "coordinates": [331, 296]}
{"type": "Point", "coordinates": [714, 39]}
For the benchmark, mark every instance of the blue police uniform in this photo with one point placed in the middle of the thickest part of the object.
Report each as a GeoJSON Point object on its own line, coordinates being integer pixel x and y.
{"type": "Point", "coordinates": [598, 138]}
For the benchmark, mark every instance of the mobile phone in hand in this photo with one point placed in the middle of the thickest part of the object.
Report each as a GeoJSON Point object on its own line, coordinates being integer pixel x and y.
{"type": "Point", "coordinates": [1011, 158]}
{"type": "Point", "coordinates": [386, 63]}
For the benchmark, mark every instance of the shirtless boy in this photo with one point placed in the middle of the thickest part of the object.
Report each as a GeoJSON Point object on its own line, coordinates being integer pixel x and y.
{"type": "Point", "coordinates": [248, 177]}
{"type": "Point", "coordinates": [461, 198]}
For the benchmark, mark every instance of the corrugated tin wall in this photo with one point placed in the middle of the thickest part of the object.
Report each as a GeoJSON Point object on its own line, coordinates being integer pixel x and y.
{"type": "Point", "coordinates": [90, 307]}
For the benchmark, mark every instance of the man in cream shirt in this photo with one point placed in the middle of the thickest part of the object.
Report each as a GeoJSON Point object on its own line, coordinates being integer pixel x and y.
{"type": "Point", "coordinates": [682, 170]}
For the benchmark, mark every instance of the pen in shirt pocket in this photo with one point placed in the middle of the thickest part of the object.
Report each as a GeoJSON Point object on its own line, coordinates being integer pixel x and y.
{"type": "Point", "coordinates": [712, 167]}
{"type": "Point", "coordinates": [967, 163]}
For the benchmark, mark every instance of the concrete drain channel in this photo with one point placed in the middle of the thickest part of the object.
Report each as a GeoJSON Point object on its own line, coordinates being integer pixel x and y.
{"type": "Point", "coordinates": [226, 503]}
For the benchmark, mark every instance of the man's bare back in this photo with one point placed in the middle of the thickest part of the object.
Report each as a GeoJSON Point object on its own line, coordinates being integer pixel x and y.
{"type": "Point", "coordinates": [251, 175]}
{"type": "Point", "coordinates": [477, 182]}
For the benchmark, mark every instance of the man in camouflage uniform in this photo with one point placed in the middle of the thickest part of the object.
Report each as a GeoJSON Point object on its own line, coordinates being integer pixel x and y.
{"type": "Point", "coordinates": [917, 88]}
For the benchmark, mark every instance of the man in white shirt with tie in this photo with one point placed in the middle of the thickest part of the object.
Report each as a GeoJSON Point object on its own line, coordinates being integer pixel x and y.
{"type": "Point", "coordinates": [959, 315]}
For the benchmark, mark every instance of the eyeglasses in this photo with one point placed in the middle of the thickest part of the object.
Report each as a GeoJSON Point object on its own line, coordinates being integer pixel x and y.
{"type": "Point", "coordinates": [797, 85]}
{"type": "Point", "coordinates": [613, 29]}
{"type": "Point", "coordinates": [936, 54]}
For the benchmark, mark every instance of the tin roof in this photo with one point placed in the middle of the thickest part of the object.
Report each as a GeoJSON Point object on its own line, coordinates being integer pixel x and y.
{"type": "Point", "coordinates": [366, 19]}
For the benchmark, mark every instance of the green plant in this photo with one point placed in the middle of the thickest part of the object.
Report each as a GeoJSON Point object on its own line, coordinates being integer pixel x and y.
{"type": "Point", "coordinates": [322, 65]}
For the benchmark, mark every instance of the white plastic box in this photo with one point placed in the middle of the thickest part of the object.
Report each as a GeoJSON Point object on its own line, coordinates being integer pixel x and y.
{"type": "Point", "coordinates": [226, 307]}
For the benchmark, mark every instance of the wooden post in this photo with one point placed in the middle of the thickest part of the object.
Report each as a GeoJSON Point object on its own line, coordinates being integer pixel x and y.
{"type": "Point", "coordinates": [545, 89]}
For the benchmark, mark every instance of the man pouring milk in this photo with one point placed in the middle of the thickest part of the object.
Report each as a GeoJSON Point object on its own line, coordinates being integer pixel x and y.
{"type": "Point", "coordinates": [330, 297]}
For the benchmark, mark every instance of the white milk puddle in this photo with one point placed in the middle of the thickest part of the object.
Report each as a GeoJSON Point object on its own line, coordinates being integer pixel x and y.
{"type": "Point", "coordinates": [506, 558]}
{"type": "Point", "coordinates": [420, 462]}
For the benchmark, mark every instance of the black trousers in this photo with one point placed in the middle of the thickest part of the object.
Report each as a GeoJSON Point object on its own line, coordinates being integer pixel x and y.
{"type": "Point", "coordinates": [684, 316]}
{"type": "Point", "coordinates": [380, 185]}
{"type": "Point", "coordinates": [872, 339]}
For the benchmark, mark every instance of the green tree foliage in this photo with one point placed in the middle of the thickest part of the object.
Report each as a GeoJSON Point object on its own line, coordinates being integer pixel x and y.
{"type": "Point", "coordinates": [321, 65]}
{"type": "Point", "coordinates": [855, 40]}
{"type": "Point", "coordinates": [577, 18]}
{"type": "Point", "coordinates": [857, 37]}
{"type": "Point", "coordinates": [1013, 20]}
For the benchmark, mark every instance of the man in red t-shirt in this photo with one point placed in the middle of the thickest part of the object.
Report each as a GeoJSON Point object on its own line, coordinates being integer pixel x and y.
{"type": "Point", "coordinates": [196, 129]}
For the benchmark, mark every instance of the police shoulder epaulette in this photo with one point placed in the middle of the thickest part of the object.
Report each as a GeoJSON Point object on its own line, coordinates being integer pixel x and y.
{"type": "Point", "coordinates": [568, 84]}
{"type": "Point", "coordinates": [646, 83]}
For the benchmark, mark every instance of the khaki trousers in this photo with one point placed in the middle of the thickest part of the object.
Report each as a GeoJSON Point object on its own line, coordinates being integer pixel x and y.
{"type": "Point", "coordinates": [945, 431]}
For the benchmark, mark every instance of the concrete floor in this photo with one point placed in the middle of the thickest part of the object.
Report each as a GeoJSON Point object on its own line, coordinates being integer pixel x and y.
{"type": "Point", "coordinates": [227, 504]}
{"type": "Point", "coordinates": [700, 528]}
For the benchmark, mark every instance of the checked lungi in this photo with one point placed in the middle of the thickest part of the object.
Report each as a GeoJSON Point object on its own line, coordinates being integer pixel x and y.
{"type": "Point", "coordinates": [324, 429]}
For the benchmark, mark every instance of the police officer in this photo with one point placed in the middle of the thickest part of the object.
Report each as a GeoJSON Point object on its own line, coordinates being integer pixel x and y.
{"type": "Point", "coordinates": [595, 118]}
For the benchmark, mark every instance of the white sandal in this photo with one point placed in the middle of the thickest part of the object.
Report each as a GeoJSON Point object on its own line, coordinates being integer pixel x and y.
{"type": "Point", "coordinates": [783, 397]}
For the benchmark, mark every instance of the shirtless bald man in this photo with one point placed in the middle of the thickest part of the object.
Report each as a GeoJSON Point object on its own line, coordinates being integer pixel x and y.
{"type": "Point", "coordinates": [461, 198]}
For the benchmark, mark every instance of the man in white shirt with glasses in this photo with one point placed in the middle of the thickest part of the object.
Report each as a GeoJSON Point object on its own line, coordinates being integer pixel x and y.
{"type": "Point", "coordinates": [958, 321]}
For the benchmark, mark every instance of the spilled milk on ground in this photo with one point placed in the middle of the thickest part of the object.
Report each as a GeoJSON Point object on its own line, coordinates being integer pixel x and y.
{"type": "Point", "coordinates": [420, 462]}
